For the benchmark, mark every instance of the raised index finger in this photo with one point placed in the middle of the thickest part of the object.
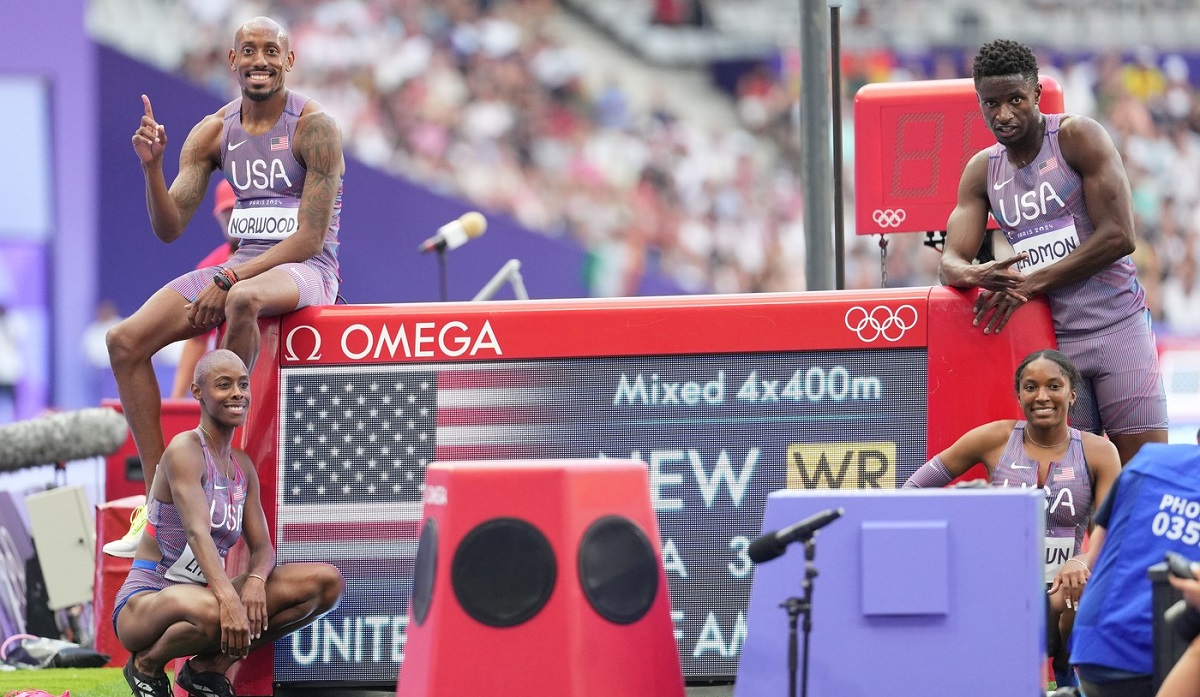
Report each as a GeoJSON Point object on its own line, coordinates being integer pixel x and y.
{"type": "Point", "coordinates": [149, 109]}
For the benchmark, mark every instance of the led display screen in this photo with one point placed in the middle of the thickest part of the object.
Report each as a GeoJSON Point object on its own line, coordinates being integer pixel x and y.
{"type": "Point", "coordinates": [718, 433]}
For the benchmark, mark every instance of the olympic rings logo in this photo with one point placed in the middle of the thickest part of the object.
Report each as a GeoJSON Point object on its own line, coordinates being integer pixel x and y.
{"type": "Point", "coordinates": [881, 321]}
{"type": "Point", "coordinates": [888, 217]}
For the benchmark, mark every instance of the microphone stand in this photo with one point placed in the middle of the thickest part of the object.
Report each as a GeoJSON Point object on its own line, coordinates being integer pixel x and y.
{"type": "Point", "coordinates": [795, 607]}
{"type": "Point", "coordinates": [441, 257]}
{"type": "Point", "coordinates": [510, 272]}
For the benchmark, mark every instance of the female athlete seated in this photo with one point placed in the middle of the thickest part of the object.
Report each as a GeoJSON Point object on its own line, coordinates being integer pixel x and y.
{"type": "Point", "coordinates": [1075, 469]}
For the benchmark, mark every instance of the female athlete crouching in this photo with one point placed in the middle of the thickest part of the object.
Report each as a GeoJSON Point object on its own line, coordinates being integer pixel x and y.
{"type": "Point", "coordinates": [177, 600]}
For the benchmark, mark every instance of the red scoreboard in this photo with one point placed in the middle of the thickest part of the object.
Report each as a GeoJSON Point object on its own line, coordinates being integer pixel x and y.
{"type": "Point", "coordinates": [912, 140]}
{"type": "Point", "coordinates": [725, 398]}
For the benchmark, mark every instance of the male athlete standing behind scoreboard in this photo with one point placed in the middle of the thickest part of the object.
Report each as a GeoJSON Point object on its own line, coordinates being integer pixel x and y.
{"type": "Point", "coordinates": [1056, 185]}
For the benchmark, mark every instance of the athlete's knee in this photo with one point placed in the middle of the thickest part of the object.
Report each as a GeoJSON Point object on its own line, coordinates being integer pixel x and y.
{"type": "Point", "coordinates": [330, 586]}
{"type": "Point", "coordinates": [206, 619]}
{"type": "Point", "coordinates": [243, 303]}
{"type": "Point", "coordinates": [125, 346]}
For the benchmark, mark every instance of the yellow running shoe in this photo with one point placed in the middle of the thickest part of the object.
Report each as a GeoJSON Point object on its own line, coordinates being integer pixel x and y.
{"type": "Point", "coordinates": [127, 546]}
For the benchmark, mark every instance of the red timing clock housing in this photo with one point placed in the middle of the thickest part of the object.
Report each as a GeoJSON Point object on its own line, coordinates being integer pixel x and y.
{"type": "Point", "coordinates": [911, 142]}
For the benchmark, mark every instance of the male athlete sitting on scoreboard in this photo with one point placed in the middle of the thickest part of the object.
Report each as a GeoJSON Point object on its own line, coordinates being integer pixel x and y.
{"type": "Point", "coordinates": [1075, 468]}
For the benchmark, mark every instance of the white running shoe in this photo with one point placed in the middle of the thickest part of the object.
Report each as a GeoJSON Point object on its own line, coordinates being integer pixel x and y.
{"type": "Point", "coordinates": [127, 545]}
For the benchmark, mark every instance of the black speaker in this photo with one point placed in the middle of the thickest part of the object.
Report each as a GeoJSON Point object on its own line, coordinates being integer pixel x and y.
{"type": "Point", "coordinates": [425, 571]}
{"type": "Point", "coordinates": [503, 572]}
{"type": "Point", "coordinates": [548, 582]}
{"type": "Point", "coordinates": [618, 569]}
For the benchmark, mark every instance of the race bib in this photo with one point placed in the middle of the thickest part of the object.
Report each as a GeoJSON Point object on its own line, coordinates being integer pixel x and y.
{"type": "Point", "coordinates": [186, 569]}
{"type": "Point", "coordinates": [1058, 551]}
{"type": "Point", "coordinates": [1046, 244]}
{"type": "Point", "coordinates": [265, 223]}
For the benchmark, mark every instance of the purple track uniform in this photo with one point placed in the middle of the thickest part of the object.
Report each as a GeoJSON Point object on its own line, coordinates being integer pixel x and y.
{"type": "Point", "coordinates": [1068, 490]}
{"type": "Point", "coordinates": [268, 181]}
{"type": "Point", "coordinates": [226, 500]}
{"type": "Point", "coordinates": [1101, 322]}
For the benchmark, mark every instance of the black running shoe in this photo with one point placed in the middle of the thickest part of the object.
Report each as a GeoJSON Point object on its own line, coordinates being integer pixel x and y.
{"type": "Point", "coordinates": [146, 685]}
{"type": "Point", "coordinates": [208, 684]}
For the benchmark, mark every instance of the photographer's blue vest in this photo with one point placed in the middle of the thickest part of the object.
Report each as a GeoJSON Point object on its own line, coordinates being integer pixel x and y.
{"type": "Point", "coordinates": [1156, 509]}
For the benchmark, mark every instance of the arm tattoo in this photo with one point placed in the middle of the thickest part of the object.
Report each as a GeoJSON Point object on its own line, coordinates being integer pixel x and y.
{"type": "Point", "coordinates": [195, 169]}
{"type": "Point", "coordinates": [191, 184]}
{"type": "Point", "coordinates": [319, 144]}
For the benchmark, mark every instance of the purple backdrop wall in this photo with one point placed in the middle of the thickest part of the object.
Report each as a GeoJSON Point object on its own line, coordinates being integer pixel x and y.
{"type": "Point", "coordinates": [102, 246]}
{"type": "Point", "coordinates": [384, 217]}
{"type": "Point", "coordinates": [47, 38]}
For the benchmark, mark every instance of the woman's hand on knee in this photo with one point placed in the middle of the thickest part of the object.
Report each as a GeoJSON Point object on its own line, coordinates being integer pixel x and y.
{"type": "Point", "coordinates": [235, 629]}
{"type": "Point", "coordinates": [254, 599]}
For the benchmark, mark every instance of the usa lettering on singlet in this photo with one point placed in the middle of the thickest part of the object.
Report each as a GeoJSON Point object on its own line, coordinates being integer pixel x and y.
{"type": "Point", "coordinates": [268, 179]}
{"type": "Point", "coordinates": [226, 499]}
{"type": "Point", "coordinates": [225, 520]}
{"type": "Point", "coordinates": [1041, 210]}
{"type": "Point", "coordinates": [1068, 490]}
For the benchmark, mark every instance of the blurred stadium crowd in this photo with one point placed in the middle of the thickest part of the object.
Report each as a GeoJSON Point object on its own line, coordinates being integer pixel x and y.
{"type": "Point", "coordinates": [477, 99]}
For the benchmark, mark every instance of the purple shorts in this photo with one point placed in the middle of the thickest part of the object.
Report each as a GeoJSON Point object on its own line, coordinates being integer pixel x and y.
{"type": "Point", "coordinates": [317, 285]}
{"type": "Point", "coordinates": [1122, 390]}
{"type": "Point", "coordinates": [142, 577]}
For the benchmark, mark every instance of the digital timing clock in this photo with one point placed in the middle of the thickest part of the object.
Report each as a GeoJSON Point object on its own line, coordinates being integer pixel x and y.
{"type": "Point", "coordinates": [912, 140]}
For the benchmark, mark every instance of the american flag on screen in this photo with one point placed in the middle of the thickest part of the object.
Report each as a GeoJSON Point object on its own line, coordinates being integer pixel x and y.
{"type": "Point", "coordinates": [355, 444]}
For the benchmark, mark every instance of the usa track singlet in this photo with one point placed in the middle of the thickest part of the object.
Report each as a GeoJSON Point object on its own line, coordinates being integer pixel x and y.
{"type": "Point", "coordinates": [1068, 489]}
{"type": "Point", "coordinates": [226, 500]}
{"type": "Point", "coordinates": [1041, 210]}
{"type": "Point", "coordinates": [268, 181]}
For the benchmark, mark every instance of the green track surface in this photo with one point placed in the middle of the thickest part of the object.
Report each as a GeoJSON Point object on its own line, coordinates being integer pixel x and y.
{"type": "Point", "coordinates": [82, 682]}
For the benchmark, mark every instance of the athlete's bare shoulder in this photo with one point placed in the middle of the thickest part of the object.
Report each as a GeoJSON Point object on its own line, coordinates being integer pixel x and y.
{"type": "Point", "coordinates": [1075, 127]}
{"type": "Point", "coordinates": [1085, 144]}
{"type": "Point", "coordinates": [974, 174]}
{"type": "Point", "coordinates": [319, 139]}
{"type": "Point", "coordinates": [311, 106]}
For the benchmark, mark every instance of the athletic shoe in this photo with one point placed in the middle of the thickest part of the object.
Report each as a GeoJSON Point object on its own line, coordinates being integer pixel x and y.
{"type": "Point", "coordinates": [207, 684]}
{"type": "Point", "coordinates": [127, 546]}
{"type": "Point", "coordinates": [146, 685]}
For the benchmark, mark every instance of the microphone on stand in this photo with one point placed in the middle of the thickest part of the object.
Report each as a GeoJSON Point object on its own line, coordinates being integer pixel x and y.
{"type": "Point", "coordinates": [455, 233]}
{"type": "Point", "coordinates": [774, 544]}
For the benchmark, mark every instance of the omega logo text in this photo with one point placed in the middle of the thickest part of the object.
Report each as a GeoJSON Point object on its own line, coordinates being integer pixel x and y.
{"type": "Point", "coordinates": [417, 340]}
